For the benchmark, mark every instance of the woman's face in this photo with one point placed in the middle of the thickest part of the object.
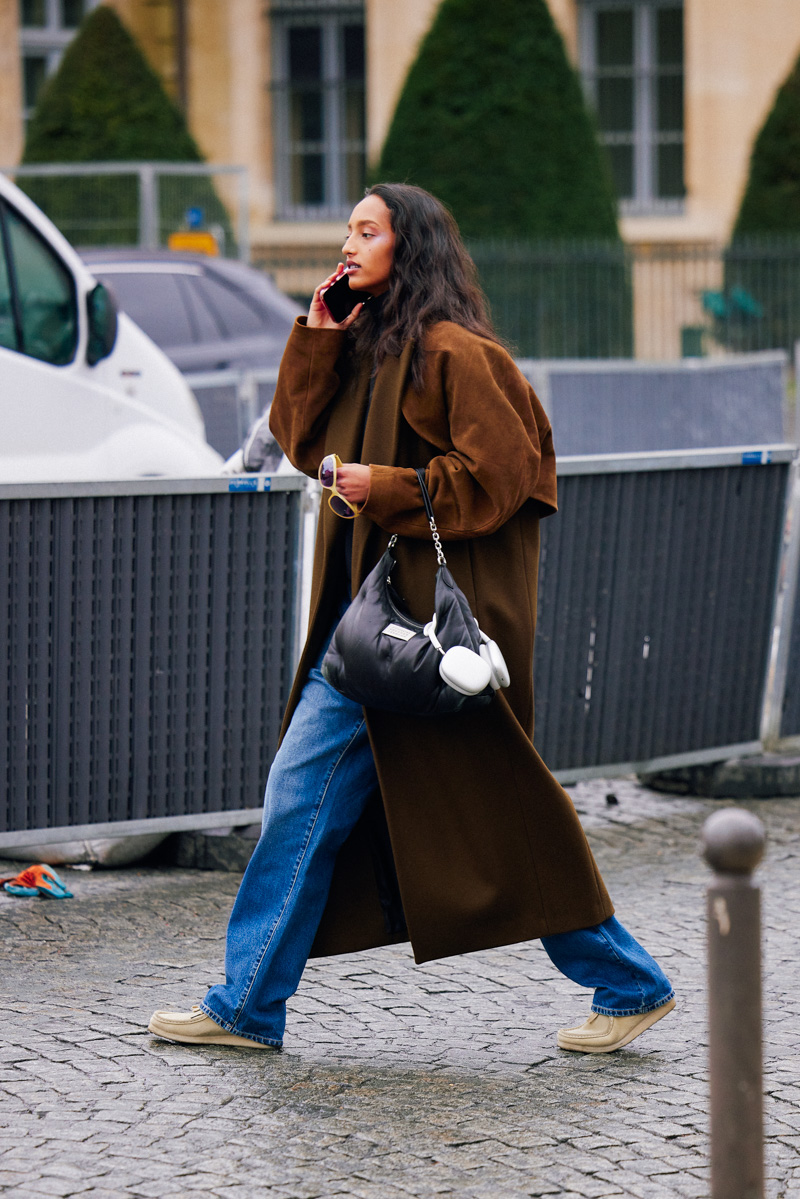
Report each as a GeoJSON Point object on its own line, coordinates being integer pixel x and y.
{"type": "Point", "coordinates": [369, 246]}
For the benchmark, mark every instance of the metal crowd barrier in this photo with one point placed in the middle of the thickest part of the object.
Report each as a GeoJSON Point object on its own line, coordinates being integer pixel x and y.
{"type": "Point", "coordinates": [151, 632]}
{"type": "Point", "coordinates": [596, 406]}
{"type": "Point", "coordinates": [140, 203]}
{"type": "Point", "coordinates": [230, 402]}
{"type": "Point", "coordinates": [152, 629]}
{"type": "Point", "coordinates": [656, 595]}
{"type": "Point", "coordinates": [621, 406]}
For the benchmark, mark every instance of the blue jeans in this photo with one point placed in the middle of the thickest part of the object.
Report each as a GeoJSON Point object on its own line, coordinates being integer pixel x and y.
{"type": "Point", "coordinates": [320, 782]}
{"type": "Point", "coordinates": [626, 980]}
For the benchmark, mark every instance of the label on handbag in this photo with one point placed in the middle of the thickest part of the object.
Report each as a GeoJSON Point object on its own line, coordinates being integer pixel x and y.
{"type": "Point", "coordinates": [397, 630]}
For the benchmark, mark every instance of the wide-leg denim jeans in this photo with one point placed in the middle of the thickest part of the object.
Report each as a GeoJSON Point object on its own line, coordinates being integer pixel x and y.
{"type": "Point", "coordinates": [319, 784]}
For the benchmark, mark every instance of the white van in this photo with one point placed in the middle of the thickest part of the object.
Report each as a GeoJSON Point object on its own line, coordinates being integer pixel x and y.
{"type": "Point", "coordinates": [84, 393]}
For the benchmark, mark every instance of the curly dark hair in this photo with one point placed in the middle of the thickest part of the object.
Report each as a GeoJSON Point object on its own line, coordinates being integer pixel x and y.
{"type": "Point", "coordinates": [433, 279]}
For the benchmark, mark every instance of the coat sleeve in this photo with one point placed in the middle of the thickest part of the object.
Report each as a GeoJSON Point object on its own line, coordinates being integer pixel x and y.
{"type": "Point", "coordinates": [308, 381]}
{"type": "Point", "coordinates": [501, 455]}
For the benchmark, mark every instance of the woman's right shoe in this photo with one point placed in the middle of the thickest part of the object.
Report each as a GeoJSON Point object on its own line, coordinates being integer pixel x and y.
{"type": "Point", "coordinates": [604, 1034]}
{"type": "Point", "coordinates": [196, 1028]}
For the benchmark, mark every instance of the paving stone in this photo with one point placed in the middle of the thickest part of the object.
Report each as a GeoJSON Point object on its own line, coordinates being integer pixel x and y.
{"type": "Point", "coordinates": [396, 1081]}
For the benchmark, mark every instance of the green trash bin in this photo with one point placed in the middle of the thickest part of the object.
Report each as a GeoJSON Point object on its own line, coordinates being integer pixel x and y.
{"type": "Point", "coordinates": [692, 337]}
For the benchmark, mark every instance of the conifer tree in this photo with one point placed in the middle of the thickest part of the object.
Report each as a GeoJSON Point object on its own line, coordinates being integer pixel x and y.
{"type": "Point", "coordinates": [492, 120]}
{"type": "Point", "coordinates": [105, 103]}
{"type": "Point", "coordinates": [771, 202]}
{"type": "Point", "coordinates": [759, 307]}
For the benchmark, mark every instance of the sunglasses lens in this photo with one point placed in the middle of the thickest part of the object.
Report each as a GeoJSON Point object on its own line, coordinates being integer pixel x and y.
{"type": "Point", "coordinates": [327, 470]}
{"type": "Point", "coordinates": [340, 507]}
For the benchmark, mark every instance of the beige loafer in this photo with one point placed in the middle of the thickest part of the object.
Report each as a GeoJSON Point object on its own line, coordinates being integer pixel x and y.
{"type": "Point", "coordinates": [196, 1028]}
{"type": "Point", "coordinates": [604, 1034]}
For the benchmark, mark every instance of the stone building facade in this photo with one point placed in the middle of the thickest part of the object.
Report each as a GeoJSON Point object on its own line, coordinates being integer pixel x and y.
{"type": "Point", "coordinates": [302, 93]}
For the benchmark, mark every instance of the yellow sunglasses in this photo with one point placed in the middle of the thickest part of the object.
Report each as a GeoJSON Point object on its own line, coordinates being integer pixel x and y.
{"type": "Point", "coordinates": [326, 474]}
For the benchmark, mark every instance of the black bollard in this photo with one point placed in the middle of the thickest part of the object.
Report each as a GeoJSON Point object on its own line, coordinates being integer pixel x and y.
{"type": "Point", "coordinates": [733, 845]}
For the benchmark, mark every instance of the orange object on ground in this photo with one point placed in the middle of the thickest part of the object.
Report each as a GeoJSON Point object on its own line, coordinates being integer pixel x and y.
{"type": "Point", "coordinates": [36, 880]}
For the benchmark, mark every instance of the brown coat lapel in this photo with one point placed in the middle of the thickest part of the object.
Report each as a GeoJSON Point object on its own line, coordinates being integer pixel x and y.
{"type": "Point", "coordinates": [381, 437]}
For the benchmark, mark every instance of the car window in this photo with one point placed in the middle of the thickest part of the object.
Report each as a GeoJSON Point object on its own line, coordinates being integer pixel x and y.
{"type": "Point", "coordinates": [155, 302]}
{"type": "Point", "coordinates": [8, 329]}
{"type": "Point", "coordinates": [234, 314]}
{"type": "Point", "coordinates": [46, 295]}
{"type": "Point", "coordinates": [206, 327]}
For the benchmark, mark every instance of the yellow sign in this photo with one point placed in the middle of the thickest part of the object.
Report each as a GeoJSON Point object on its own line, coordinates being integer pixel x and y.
{"type": "Point", "coordinates": [196, 240]}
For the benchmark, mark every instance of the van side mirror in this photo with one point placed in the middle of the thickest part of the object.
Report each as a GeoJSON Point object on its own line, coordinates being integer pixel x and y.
{"type": "Point", "coordinates": [102, 312]}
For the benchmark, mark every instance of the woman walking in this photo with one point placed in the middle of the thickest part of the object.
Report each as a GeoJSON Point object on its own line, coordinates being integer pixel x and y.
{"type": "Point", "coordinates": [379, 828]}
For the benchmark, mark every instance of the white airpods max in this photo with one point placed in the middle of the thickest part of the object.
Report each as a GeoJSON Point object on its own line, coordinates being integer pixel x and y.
{"type": "Point", "coordinates": [467, 672]}
{"type": "Point", "coordinates": [492, 655]}
{"type": "Point", "coordinates": [464, 670]}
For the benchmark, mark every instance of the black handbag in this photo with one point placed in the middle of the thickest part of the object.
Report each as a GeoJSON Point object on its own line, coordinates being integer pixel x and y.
{"type": "Point", "coordinates": [383, 659]}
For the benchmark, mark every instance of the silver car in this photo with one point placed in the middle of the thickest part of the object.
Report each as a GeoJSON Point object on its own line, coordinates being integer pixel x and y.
{"type": "Point", "coordinates": [207, 314]}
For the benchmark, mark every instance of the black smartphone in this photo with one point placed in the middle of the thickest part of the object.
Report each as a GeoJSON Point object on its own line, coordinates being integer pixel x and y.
{"type": "Point", "coordinates": [340, 299]}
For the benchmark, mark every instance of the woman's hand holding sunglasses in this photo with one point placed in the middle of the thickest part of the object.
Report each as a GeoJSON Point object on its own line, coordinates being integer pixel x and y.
{"type": "Point", "coordinates": [318, 315]}
{"type": "Point", "coordinates": [348, 484]}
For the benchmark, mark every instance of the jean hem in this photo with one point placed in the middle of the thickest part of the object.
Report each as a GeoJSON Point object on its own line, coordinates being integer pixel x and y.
{"type": "Point", "coordinates": [230, 1026]}
{"type": "Point", "coordinates": [633, 1011]}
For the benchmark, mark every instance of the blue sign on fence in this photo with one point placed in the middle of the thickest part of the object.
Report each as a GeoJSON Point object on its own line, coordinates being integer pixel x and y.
{"type": "Point", "coordinates": [255, 483]}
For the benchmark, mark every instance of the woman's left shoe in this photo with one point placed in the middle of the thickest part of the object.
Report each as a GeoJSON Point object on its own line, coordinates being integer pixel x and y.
{"type": "Point", "coordinates": [196, 1028]}
{"type": "Point", "coordinates": [604, 1034]}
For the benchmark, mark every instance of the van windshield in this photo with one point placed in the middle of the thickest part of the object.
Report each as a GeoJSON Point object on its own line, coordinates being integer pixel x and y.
{"type": "Point", "coordinates": [46, 317]}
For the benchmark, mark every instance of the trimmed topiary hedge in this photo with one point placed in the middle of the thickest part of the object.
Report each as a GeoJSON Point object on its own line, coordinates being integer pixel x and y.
{"type": "Point", "coordinates": [771, 202]}
{"type": "Point", "coordinates": [759, 307]}
{"type": "Point", "coordinates": [493, 121]}
{"type": "Point", "coordinates": [105, 103]}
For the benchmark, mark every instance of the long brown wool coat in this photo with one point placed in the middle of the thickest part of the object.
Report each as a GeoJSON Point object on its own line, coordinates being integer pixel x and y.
{"type": "Point", "coordinates": [486, 845]}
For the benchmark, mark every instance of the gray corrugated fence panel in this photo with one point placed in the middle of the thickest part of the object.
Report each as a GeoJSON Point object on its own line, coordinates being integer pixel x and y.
{"type": "Point", "coordinates": [656, 593]}
{"type": "Point", "coordinates": [151, 624]}
{"type": "Point", "coordinates": [150, 647]}
{"type": "Point", "coordinates": [595, 405]}
{"type": "Point", "coordinates": [626, 406]}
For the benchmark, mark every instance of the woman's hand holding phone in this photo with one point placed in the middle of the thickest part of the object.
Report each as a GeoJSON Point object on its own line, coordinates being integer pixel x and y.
{"type": "Point", "coordinates": [318, 315]}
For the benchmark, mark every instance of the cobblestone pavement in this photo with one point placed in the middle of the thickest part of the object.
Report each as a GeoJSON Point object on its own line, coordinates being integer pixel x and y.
{"type": "Point", "coordinates": [396, 1080]}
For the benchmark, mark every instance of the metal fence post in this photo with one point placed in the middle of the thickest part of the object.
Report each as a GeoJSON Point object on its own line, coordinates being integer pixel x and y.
{"type": "Point", "coordinates": [733, 845]}
{"type": "Point", "coordinates": [148, 207]}
{"type": "Point", "coordinates": [305, 562]}
{"type": "Point", "coordinates": [247, 402]}
{"type": "Point", "coordinates": [243, 225]}
{"type": "Point", "coordinates": [782, 617]}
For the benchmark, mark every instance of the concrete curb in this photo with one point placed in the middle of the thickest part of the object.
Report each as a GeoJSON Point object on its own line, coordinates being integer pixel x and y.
{"type": "Point", "coordinates": [217, 849]}
{"type": "Point", "coordinates": [760, 776]}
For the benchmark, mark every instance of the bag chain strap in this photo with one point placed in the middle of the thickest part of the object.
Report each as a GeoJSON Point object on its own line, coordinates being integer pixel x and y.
{"type": "Point", "coordinates": [440, 558]}
{"type": "Point", "coordinates": [437, 541]}
{"type": "Point", "coordinates": [426, 499]}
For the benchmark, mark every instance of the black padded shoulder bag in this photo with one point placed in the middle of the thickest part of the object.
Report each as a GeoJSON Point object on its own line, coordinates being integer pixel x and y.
{"type": "Point", "coordinates": [383, 659]}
